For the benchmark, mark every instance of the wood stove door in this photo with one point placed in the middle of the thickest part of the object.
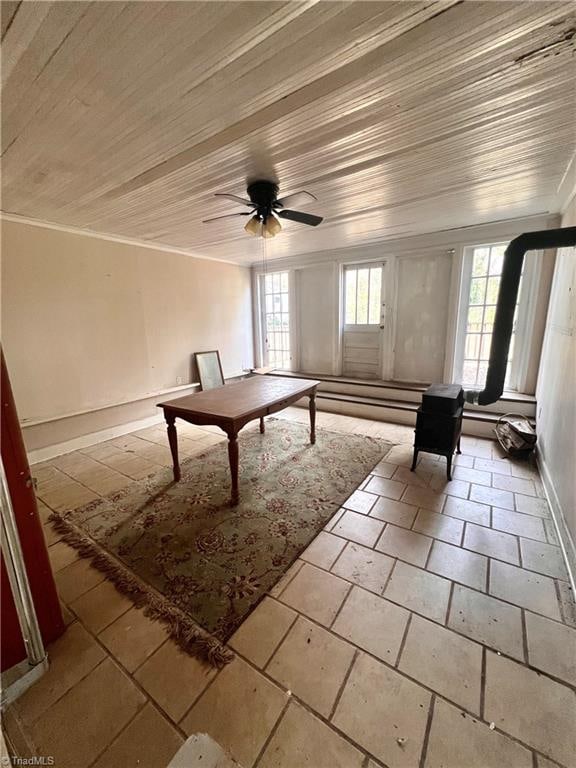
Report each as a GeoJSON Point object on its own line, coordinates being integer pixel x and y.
{"type": "Point", "coordinates": [364, 313]}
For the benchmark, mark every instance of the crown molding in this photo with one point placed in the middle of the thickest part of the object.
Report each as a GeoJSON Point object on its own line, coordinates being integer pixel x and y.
{"type": "Point", "coordinates": [18, 219]}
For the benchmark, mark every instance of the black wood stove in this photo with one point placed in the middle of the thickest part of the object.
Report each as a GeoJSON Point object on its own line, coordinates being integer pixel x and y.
{"type": "Point", "coordinates": [439, 423]}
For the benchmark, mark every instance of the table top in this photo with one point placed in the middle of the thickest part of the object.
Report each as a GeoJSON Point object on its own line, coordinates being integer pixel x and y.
{"type": "Point", "coordinates": [241, 398]}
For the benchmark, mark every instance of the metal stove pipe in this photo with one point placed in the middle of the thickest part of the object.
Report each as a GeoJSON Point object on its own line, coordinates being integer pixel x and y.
{"type": "Point", "coordinates": [507, 296]}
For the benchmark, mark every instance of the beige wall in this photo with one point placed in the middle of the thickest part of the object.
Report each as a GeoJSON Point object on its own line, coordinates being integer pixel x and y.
{"type": "Point", "coordinates": [89, 323]}
{"type": "Point", "coordinates": [556, 391]}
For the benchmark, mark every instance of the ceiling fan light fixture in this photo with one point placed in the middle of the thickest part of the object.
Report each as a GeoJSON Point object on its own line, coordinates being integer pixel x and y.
{"type": "Point", "coordinates": [253, 226]}
{"type": "Point", "coordinates": [271, 226]}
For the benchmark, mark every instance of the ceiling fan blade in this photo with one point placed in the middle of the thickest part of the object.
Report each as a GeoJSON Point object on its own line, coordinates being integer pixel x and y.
{"type": "Point", "coordinates": [234, 197]}
{"type": "Point", "coordinates": [298, 198]}
{"type": "Point", "coordinates": [300, 217]}
{"type": "Point", "coordinates": [226, 216]}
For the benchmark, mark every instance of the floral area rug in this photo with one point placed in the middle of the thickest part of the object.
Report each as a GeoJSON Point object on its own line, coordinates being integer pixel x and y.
{"type": "Point", "coordinates": [190, 559]}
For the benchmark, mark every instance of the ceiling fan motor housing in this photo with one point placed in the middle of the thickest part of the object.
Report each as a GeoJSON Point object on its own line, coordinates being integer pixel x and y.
{"type": "Point", "coordinates": [263, 194]}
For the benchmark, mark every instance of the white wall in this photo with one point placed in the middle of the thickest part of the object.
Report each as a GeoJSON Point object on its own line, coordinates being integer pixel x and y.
{"type": "Point", "coordinates": [89, 324]}
{"type": "Point", "coordinates": [421, 288]}
{"type": "Point", "coordinates": [556, 392]}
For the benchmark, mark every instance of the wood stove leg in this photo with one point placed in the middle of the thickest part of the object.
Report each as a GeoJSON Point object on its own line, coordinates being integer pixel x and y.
{"type": "Point", "coordinates": [233, 459]}
{"type": "Point", "coordinates": [458, 446]}
{"type": "Point", "coordinates": [414, 460]}
{"type": "Point", "coordinates": [449, 466]}
{"type": "Point", "coordinates": [313, 417]}
{"type": "Point", "coordinates": [261, 425]}
{"type": "Point", "coordinates": [173, 441]}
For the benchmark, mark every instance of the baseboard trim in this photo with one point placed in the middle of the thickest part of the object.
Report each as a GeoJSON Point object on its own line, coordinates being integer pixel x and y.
{"type": "Point", "coordinates": [562, 531]}
{"type": "Point", "coordinates": [84, 441]}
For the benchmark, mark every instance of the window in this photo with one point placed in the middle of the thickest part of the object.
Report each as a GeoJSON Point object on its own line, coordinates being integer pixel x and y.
{"type": "Point", "coordinates": [362, 295]}
{"type": "Point", "coordinates": [481, 281]}
{"type": "Point", "coordinates": [276, 320]}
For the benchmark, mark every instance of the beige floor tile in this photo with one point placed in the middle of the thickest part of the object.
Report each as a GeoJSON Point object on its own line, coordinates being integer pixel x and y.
{"type": "Point", "coordinates": [442, 527]}
{"type": "Point", "coordinates": [525, 588]}
{"type": "Point", "coordinates": [174, 679]}
{"type": "Point", "coordinates": [514, 484]}
{"type": "Point", "coordinates": [71, 658]}
{"type": "Point", "coordinates": [442, 660]}
{"type": "Point", "coordinates": [68, 497]}
{"type": "Point", "coordinates": [419, 477]}
{"type": "Point", "coordinates": [283, 582]}
{"type": "Point", "coordinates": [531, 505]}
{"type": "Point", "coordinates": [400, 454]}
{"type": "Point", "coordinates": [105, 481]}
{"type": "Point", "coordinates": [259, 636]}
{"type": "Point", "coordinates": [71, 733]}
{"type": "Point", "coordinates": [492, 496]}
{"type": "Point", "coordinates": [384, 713]}
{"type": "Point", "coordinates": [61, 555]}
{"type": "Point", "coordinates": [518, 524]}
{"type": "Point", "coordinates": [238, 711]}
{"type": "Point", "coordinates": [419, 591]}
{"type": "Point", "coordinates": [132, 638]}
{"type": "Point", "coordinates": [44, 512]}
{"type": "Point", "coordinates": [472, 475]}
{"type": "Point", "coordinates": [372, 623]}
{"type": "Point", "coordinates": [425, 498]}
{"type": "Point", "coordinates": [459, 488]}
{"type": "Point", "coordinates": [496, 544]}
{"type": "Point", "coordinates": [392, 489]}
{"type": "Point", "coordinates": [543, 762]}
{"type": "Point", "coordinates": [100, 606]}
{"type": "Point", "coordinates": [499, 466]}
{"type": "Point", "coordinates": [458, 564]}
{"type": "Point", "coordinates": [551, 647]}
{"type": "Point", "coordinates": [383, 469]}
{"type": "Point", "coordinates": [358, 528]}
{"type": "Point", "coordinates": [531, 707]}
{"type": "Point", "coordinates": [50, 535]}
{"type": "Point", "coordinates": [458, 740]}
{"type": "Point", "coordinates": [488, 620]}
{"type": "Point", "coordinates": [361, 502]}
{"type": "Point", "coordinates": [470, 511]}
{"type": "Point", "coordinates": [363, 566]}
{"type": "Point", "coordinates": [303, 740]}
{"type": "Point", "coordinates": [316, 593]}
{"type": "Point", "coordinates": [568, 603]}
{"type": "Point", "coordinates": [544, 558]}
{"type": "Point", "coordinates": [149, 741]}
{"type": "Point", "coordinates": [312, 663]}
{"type": "Point", "coordinates": [76, 579]}
{"type": "Point", "coordinates": [396, 512]}
{"type": "Point", "coordinates": [324, 550]}
{"type": "Point", "coordinates": [406, 545]}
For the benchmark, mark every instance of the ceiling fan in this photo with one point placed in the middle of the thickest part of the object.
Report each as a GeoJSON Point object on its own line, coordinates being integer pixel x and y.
{"type": "Point", "coordinates": [266, 209]}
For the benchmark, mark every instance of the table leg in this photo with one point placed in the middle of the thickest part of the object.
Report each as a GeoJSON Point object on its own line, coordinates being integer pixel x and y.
{"type": "Point", "coordinates": [173, 440]}
{"type": "Point", "coordinates": [312, 417]}
{"type": "Point", "coordinates": [233, 458]}
{"type": "Point", "coordinates": [261, 425]}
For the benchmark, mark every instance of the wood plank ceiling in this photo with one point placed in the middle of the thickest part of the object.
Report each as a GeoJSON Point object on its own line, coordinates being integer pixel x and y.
{"type": "Point", "coordinates": [401, 117]}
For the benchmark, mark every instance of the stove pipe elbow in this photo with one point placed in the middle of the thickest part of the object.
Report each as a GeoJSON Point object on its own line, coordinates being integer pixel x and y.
{"type": "Point", "coordinates": [506, 306]}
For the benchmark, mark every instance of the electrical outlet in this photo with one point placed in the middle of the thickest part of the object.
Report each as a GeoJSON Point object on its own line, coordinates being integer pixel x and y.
{"type": "Point", "coordinates": [179, 380]}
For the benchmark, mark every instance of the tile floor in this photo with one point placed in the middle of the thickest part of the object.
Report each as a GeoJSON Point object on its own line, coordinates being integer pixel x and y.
{"type": "Point", "coordinates": [430, 624]}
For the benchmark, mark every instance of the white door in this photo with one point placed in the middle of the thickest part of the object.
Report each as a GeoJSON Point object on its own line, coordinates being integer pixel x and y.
{"type": "Point", "coordinates": [364, 318]}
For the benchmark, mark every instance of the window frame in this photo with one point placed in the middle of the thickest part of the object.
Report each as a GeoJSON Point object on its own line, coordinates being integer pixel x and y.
{"type": "Point", "coordinates": [263, 349]}
{"type": "Point", "coordinates": [517, 378]}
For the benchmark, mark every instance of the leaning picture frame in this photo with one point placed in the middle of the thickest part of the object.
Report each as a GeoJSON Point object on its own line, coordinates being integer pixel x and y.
{"type": "Point", "coordinates": [209, 369]}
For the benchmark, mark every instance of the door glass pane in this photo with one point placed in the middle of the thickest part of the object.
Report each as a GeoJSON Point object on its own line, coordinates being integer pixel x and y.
{"type": "Point", "coordinates": [374, 312]}
{"type": "Point", "coordinates": [362, 297]}
{"type": "Point", "coordinates": [276, 321]}
{"type": "Point", "coordinates": [350, 299]}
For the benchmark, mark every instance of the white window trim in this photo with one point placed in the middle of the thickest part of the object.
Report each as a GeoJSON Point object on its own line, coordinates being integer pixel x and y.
{"type": "Point", "coordinates": [525, 321]}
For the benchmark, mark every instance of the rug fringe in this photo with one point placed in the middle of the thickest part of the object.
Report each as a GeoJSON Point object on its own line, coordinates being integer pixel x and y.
{"type": "Point", "coordinates": [190, 637]}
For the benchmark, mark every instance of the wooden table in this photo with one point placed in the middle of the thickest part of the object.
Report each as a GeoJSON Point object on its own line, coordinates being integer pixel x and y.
{"type": "Point", "coordinates": [231, 407]}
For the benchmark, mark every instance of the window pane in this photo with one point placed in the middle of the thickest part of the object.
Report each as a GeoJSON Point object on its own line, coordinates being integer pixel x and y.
{"type": "Point", "coordinates": [472, 346]}
{"type": "Point", "coordinates": [496, 259]}
{"type": "Point", "coordinates": [492, 292]}
{"type": "Point", "coordinates": [485, 346]}
{"type": "Point", "coordinates": [269, 305]}
{"type": "Point", "coordinates": [269, 322]}
{"type": "Point", "coordinates": [276, 282]}
{"type": "Point", "coordinates": [489, 313]}
{"type": "Point", "coordinates": [285, 323]}
{"type": "Point", "coordinates": [375, 295]}
{"type": "Point", "coordinates": [350, 296]}
{"type": "Point", "coordinates": [284, 302]}
{"type": "Point", "coordinates": [480, 263]}
{"type": "Point", "coordinates": [474, 320]}
{"type": "Point", "coordinates": [477, 290]}
{"type": "Point", "coordinates": [268, 284]}
{"type": "Point", "coordinates": [362, 296]}
{"type": "Point", "coordinates": [469, 373]}
{"type": "Point", "coordinates": [284, 282]}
